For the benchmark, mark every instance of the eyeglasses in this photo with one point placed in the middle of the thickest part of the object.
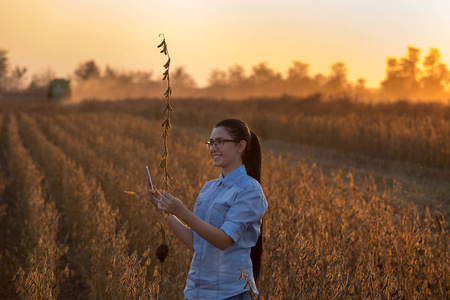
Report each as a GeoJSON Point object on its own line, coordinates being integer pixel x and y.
{"type": "Point", "coordinates": [217, 143]}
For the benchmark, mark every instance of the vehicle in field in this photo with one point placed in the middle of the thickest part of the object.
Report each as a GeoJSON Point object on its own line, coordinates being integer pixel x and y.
{"type": "Point", "coordinates": [58, 90]}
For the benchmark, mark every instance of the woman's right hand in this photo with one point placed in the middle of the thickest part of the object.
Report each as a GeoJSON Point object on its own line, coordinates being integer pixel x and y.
{"type": "Point", "coordinates": [153, 195]}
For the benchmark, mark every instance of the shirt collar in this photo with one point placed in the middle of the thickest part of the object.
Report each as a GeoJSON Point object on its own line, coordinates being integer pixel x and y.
{"type": "Point", "coordinates": [233, 177]}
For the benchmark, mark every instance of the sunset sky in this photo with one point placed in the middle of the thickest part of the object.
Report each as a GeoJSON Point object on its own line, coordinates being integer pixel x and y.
{"type": "Point", "coordinates": [207, 35]}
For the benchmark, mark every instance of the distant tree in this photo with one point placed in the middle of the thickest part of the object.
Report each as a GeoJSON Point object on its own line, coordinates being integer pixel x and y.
{"type": "Point", "coordinates": [361, 83]}
{"type": "Point", "coordinates": [435, 75]}
{"type": "Point", "coordinates": [298, 72]}
{"type": "Point", "coordinates": [264, 81]}
{"type": "Point", "coordinates": [127, 77]}
{"type": "Point", "coordinates": [394, 84]}
{"type": "Point", "coordinates": [217, 78]}
{"type": "Point", "coordinates": [10, 80]}
{"type": "Point", "coordinates": [402, 75]}
{"type": "Point", "coordinates": [87, 70]}
{"type": "Point", "coordinates": [298, 80]}
{"type": "Point", "coordinates": [4, 64]}
{"type": "Point", "coordinates": [319, 81]}
{"type": "Point", "coordinates": [182, 79]}
{"type": "Point", "coordinates": [236, 75]}
{"type": "Point", "coordinates": [110, 73]}
{"type": "Point", "coordinates": [41, 79]}
{"type": "Point", "coordinates": [263, 75]}
{"type": "Point", "coordinates": [337, 81]}
{"type": "Point", "coordinates": [141, 77]}
{"type": "Point", "coordinates": [15, 81]}
{"type": "Point", "coordinates": [360, 89]}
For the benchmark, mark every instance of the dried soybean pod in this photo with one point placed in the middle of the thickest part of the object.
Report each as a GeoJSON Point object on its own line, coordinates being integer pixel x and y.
{"type": "Point", "coordinates": [162, 252]}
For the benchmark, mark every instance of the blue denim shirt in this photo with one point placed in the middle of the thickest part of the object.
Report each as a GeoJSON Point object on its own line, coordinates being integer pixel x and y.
{"type": "Point", "coordinates": [235, 204]}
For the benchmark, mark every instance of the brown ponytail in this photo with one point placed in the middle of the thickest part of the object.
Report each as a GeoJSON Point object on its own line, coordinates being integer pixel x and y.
{"type": "Point", "coordinates": [252, 157]}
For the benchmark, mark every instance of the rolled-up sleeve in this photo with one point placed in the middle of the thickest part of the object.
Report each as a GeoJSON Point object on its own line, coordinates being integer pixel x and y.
{"type": "Point", "coordinates": [248, 208]}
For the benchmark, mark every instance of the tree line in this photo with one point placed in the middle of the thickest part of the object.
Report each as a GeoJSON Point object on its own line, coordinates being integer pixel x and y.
{"type": "Point", "coordinates": [407, 77]}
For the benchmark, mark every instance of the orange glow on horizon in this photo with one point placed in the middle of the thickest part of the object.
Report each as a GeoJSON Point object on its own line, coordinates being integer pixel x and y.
{"type": "Point", "coordinates": [202, 37]}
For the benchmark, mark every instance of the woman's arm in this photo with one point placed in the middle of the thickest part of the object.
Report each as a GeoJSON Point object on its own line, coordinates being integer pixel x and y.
{"type": "Point", "coordinates": [183, 233]}
{"type": "Point", "coordinates": [215, 236]}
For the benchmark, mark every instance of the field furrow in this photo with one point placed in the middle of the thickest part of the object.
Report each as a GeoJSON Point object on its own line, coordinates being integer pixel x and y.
{"type": "Point", "coordinates": [106, 264]}
{"type": "Point", "coordinates": [40, 277]}
{"type": "Point", "coordinates": [11, 254]}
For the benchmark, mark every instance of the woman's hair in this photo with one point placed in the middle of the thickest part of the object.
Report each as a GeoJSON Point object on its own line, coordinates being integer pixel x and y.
{"type": "Point", "coordinates": [251, 158]}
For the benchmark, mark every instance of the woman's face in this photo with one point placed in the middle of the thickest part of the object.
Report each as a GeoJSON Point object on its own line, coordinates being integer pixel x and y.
{"type": "Point", "coordinates": [229, 156]}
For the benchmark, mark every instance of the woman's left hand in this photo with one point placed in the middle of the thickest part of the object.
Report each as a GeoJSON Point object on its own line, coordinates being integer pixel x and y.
{"type": "Point", "coordinates": [170, 204]}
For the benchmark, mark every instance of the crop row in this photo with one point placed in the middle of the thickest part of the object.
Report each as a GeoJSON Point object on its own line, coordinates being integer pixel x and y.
{"type": "Point", "coordinates": [101, 249]}
{"type": "Point", "coordinates": [40, 278]}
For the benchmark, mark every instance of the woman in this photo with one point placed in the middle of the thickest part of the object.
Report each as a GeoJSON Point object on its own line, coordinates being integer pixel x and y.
{"type": "Point", "coordinates": [225, 225]}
